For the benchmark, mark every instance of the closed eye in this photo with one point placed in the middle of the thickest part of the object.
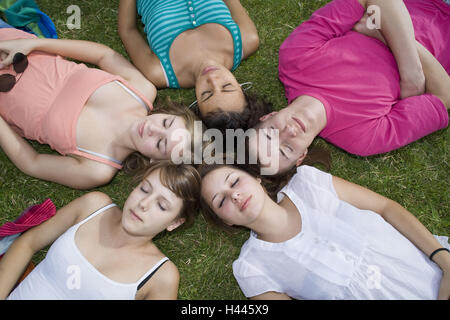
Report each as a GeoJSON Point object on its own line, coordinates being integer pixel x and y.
{"type": "Point", "coordinates": [204, 93]}
{"type": "Point", "coordinates": [221, 202]}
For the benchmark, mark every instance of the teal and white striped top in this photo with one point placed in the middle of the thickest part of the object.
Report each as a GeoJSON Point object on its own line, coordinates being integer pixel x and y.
{"type": "Point", "coordinates": [164, 20]}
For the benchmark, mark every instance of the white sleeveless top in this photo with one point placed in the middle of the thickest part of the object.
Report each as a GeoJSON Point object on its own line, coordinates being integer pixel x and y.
{"type": "Point", "coordinates": [342, 252]}
{"type": "Point", "coordinates": [66, 274]}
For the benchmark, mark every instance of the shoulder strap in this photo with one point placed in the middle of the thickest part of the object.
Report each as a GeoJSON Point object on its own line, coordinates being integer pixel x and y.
{"type": "Point", "coordinates": [98, 157]}
{"type": "Point", "coordinates": [134, 95]}
{"type": "Point", "coordinates": [96, 212]}
{"type": "Point", "coordinates": [151, 272]}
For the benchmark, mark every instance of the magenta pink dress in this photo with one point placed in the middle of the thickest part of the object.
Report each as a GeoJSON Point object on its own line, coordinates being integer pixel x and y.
{"type": "Point", "coordinates": [357, 79]}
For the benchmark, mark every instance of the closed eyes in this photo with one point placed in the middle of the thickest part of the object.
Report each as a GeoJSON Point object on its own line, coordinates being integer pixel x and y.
{"type": "Point", "coordinates": [225, 88]}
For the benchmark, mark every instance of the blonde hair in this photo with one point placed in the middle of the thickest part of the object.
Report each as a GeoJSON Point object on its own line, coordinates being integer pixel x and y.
{"type": "Point", "coordinates": [136, 161]}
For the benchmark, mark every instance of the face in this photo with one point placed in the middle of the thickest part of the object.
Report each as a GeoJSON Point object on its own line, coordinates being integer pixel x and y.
{"type": "Point", "coordinates": [218, 90]}
{"type": "Point", "coordinates": [235, 197]}
{"type": "Point", "coordinates": [291, 144]}
{"type": "Point", "coordinates": [151, 208]}
{"type": "Point", "coordinates": [156, 135]}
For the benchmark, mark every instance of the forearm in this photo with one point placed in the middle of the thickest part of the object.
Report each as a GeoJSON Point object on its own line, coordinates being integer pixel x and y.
{"type": "Point", "coordinates": [84, 51]}
{"type": "Point", "coordinates": [12, 266]}
{"type": "Point", "coordinates": [18, 150]}
{"type": "Point", "coordinates": [397, 28]}
{"type": "Point", "coordinates": [437, 81]}
{"type": "Point", "coordinates": [410, 227]}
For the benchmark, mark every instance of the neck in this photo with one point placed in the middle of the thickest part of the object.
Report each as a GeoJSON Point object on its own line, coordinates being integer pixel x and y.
{"type": "Point", "coordinates": [312, 111]}
{"type": "Point", "coordinates": [204, 62]}
{"type": "Point", "coordinates": [272, 223]}
{"type": "Point", "coordinates": [122, 239]}
{"type": "Point", "coordinates": [121, 135]}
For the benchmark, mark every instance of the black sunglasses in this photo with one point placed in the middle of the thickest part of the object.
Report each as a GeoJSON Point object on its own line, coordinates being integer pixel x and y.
{"type": "Point", "coordinates": [8, 81]}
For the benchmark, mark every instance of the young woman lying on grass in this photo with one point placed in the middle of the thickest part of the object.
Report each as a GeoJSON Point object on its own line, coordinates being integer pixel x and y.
{"type": "Point", "coordinates": [101, 251]}
{"type": "Point", "coordinates": [325, 238]}
{"type": "Point", "coordinates": [94, 118]}
{"type": "Point", "coordinates": [197, 44]}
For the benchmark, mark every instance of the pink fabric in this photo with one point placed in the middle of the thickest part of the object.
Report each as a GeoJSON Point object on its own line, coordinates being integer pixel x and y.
{"type": "Point", "coordinates": [357, 79]}
{"type": "Point", "coordinates": [46, 102]}
{"type": "Point", "coordinates": [31, 217]}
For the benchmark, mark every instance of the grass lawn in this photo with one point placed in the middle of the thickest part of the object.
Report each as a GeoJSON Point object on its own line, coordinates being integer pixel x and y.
{"type": "Point", "coordinates": [416, 176]}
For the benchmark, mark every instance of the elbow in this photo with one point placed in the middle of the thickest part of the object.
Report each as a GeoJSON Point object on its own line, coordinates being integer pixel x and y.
{"type": "Point", "coordinates": [253, 42]}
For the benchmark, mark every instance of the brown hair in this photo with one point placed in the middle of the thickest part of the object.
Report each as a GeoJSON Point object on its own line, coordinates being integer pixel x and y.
{"type": "Point", "coordinates": [255, 108]}
{"type": "Point", "coordinates": [183, 180]}
{"type": "Point", "coordinates": [271, 184]}
{"type": "Point", "coordinates": [136, 161]}
{"type": "Point", "coordinates": [210, 216]}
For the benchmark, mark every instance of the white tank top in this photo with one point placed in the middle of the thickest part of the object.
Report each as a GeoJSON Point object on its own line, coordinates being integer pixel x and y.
{"type": "Point", "coordinates": [66, 274]}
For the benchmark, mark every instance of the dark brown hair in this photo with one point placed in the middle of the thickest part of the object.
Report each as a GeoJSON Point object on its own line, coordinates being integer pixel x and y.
{"type": "Point", "coordinates": [255, 108]}
{"type": "Point", "coordinates": [183, 180]}
{"type": "Point", "coordinates": [210, 216]}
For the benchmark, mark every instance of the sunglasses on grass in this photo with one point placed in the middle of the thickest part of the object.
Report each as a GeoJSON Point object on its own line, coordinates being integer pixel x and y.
{"type": "Point", "coordinates": [8, 81]}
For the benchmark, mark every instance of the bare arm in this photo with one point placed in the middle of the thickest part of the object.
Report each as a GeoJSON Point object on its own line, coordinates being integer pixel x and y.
{"type": "Point", "coordinates": [65, 170]}
{"type": "Point", "coordinates": [397, 28]}
{"type": "Point", "coordinates": [400, 218]}
{"type": "Point", "coordinates": [86, 51]}
{"type": "Point", "coordinates": [137, 47]}
{"type": "Point", "coordinates": [163, 285]}
{"type": "Point", "coordinates": [14, 262]}
{"type": "Point", "coordinates": [271, 295]}
{"type": "Point", "coordinates": [250, 38]}
{"type": "Point", "coordinates": [437, 81]}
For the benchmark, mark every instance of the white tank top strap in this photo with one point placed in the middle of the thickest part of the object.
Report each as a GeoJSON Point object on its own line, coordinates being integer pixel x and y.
{"type": "Point", "coordinates": [143, 280]}
{"type": "Point", "coordinates": [97, 212]}
{"type": "Point", "coordinates": [134, 95]}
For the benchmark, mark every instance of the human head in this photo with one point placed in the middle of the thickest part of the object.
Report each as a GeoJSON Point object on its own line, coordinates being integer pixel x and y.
{"type": "Point", "coordinates": [285, 132]}
{"type": "Point", "coordinates": [168, 189]}
{"type": "Point", "coordinates": [230, 197]}
{"type": "Point", "coordinates": [217, 89]}
{"type": "Point", "coordinates": [255, 108]}
{"type": "Point", "coordinates": [137, 161]}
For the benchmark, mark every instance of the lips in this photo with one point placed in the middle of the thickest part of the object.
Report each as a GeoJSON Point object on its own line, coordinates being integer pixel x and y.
{"type": "Point", "coordinates": [135, 216]}
{"type": "Point", "coordinates": [246, 203]}
{"type": "Point", "coordinates": [300, 123]}
{"type": "Point", "coordinates": [141, 129]}
{"type": "Point", "coordinates": [208, 69]}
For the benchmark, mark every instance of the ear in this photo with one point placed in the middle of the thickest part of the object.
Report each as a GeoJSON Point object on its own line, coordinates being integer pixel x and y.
{"type": "Point", "coordinates": [267, 116]}
{"type": "Point", "coordinates": [302, 157]}
{"type": "Point", "coordinates": [175, 224]}
{"type": "Point", "coordinates": [259, 180]}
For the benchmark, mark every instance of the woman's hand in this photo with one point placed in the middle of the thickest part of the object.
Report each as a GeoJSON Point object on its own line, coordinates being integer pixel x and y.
{"type": "Point", "coordinates": [9, 48]}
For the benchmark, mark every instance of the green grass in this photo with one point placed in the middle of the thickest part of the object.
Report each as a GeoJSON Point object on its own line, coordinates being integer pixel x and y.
{"type": "Point", "coordinates": [416, 176]}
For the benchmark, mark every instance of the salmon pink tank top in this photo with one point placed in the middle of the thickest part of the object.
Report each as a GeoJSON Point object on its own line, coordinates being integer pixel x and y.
{"type": "Point", "coordinates": [47, 100]}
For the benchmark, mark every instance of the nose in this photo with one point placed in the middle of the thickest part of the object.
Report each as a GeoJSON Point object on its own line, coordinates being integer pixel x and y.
{"type": "Point", "coordinates": [288, 131]}
{"type": "Point", "coordinates": [213, 80]}
{"type": "Point", "coordinates": [236, 197]}
{"type": "Point", "coordinates": [155, 129]}
{"type": "Point", "coordinates": [144, 203]}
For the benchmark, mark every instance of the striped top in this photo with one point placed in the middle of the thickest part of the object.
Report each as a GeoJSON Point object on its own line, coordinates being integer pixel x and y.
{"type": "Point", "coordinates": [164, 20]}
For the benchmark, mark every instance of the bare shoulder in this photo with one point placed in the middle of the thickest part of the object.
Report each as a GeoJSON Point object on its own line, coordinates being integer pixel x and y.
{"type": "Point", "coordinates": [163, 285]}
{"type": "Point", "coordinates": [97, 173]}
{"type": "Point", "coordinates": [92, 201]}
